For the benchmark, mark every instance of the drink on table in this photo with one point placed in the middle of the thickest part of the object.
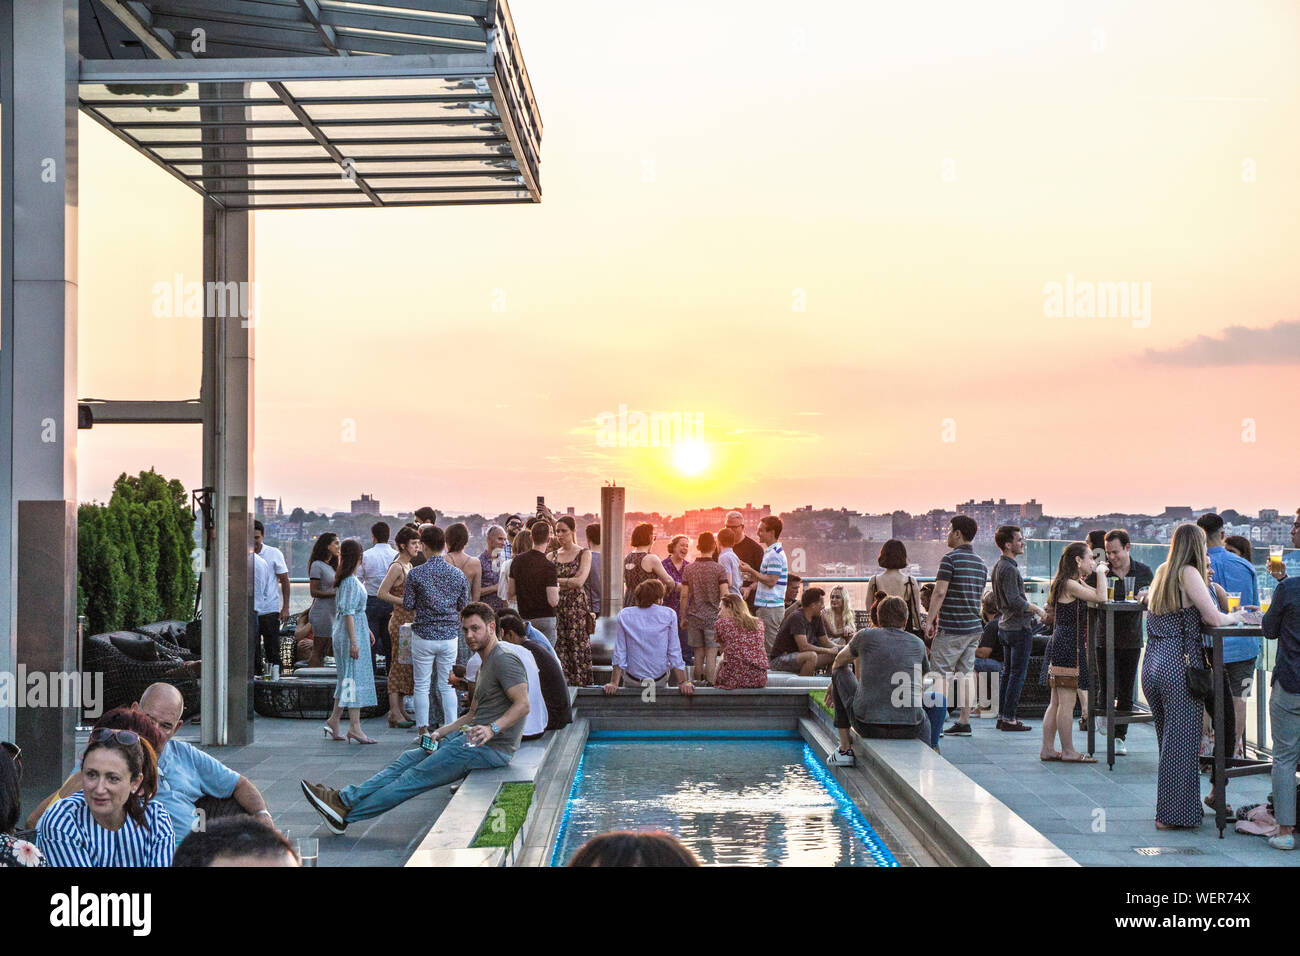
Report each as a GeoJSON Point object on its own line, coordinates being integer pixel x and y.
{"type": "Point", "coordinates": [1265, 599]}
{"type": "Point", "coordinates": [1234, 601]}
{"type": "Point", "coordinates": [1110, 590]}
{"type": "Point", "coordinates": [1130, 588]}
{"type": "Point", "coordinates": [309, 850]}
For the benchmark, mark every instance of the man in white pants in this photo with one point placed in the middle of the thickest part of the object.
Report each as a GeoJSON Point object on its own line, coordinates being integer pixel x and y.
{"type": "Point", "coordinates": [437, 592]}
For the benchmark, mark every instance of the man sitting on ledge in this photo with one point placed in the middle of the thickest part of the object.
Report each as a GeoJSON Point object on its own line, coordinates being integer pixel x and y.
{"type": "Point", "coordinates": [646, 647]}
{"type": "Point", "coordinates": [879, 706]}
{"type": "Point", "coordinates": [486, 737]}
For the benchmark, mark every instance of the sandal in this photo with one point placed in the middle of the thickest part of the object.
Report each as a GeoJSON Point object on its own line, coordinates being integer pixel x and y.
{"type": "Point", "coordinates": [1227, 807]}
{"type": "Point", "coordinates": [1055, 756]}
{"type": "Point", "coordinates": [1081, 758]}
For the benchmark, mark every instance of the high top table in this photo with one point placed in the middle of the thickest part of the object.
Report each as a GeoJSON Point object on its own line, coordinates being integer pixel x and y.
{"type": "Point", "coordinates": [1106, 614]}
{"type": "Point", "coordinates": [1225, 766]}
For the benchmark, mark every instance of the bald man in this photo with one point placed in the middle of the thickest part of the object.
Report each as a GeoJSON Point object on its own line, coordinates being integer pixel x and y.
{"type": "Point", "coordinates": [188, 776]}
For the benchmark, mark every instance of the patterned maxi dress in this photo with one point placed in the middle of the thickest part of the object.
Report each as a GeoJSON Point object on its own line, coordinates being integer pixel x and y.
{"type": "Point", "coordinates": [1177, 714]}
{"type": "Point", "coordinates": [673, 599]}
{"type": "Point", "coordinates": [355, 684]}
{"type": "Point", "coordinates": [401, 678]}
{"type": "Point", "coordinates": [573, 626]}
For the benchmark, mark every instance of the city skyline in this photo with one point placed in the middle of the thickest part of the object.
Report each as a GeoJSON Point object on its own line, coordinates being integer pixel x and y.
{"type": "Point", "coordinates": [966, 251]}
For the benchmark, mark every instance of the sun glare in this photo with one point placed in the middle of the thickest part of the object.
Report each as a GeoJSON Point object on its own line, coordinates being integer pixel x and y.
{"type": "Point", "coordinates": [691, 457]}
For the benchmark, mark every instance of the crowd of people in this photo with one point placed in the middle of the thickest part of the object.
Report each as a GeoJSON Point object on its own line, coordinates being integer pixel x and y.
{"type": "Point", "coordinates": [512, 627]}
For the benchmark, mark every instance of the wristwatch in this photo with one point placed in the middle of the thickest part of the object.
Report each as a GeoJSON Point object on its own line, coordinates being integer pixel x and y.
{"type": "Point", "coordinates": [496, 731]}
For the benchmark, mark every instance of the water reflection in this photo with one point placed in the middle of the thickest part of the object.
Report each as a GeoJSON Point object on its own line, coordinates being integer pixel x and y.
{"type": "Point", "coordinates": [733, 802]}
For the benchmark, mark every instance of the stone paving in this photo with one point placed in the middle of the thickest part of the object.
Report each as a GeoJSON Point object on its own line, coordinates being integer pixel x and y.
{"type": "Point", "coordinates": [1062, 801]}
{"type": "Point", "coordinates": [285, 751]}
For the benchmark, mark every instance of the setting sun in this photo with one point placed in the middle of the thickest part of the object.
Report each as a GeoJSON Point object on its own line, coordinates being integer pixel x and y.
{"type": "Point", "coordinates": [691, 457]}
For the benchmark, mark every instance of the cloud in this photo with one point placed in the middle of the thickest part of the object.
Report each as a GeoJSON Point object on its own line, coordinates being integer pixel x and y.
{"type": "Point", "coordinates": [1237, 345]}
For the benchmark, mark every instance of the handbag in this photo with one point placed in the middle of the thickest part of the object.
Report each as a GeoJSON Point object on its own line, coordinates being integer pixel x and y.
{"type": "Point", "coordinates": [1067, 678]}
{"type": "Point", "coordinates": [1200, 675]}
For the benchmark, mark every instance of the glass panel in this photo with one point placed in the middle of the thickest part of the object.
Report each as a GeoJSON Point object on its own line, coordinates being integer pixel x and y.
{"type": "Point", "coordinates": [464, 196]}
{"type": "Point", "coordinates": [413, 131]}
{"type": "Point", "coordinates": [406, 86]}
{"type": "Point", "coordinates": [365, 167]}
{"type": "Point", "coordinates": [463, 182]}
{"type": "Point", "coordinates": [140, 92]}
{"type": "Point", "coordinates": [341, 183]}
{"type": "Point", "coordinates": [400, 109]}
{"type": "Point", "coordinates": [398, 148]}
{"type": "Point", "coordinates": [264, 202]}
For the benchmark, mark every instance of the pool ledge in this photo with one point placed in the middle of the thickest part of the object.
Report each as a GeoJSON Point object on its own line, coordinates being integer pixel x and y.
{"type": "Point", "coordinates": [950, 811]}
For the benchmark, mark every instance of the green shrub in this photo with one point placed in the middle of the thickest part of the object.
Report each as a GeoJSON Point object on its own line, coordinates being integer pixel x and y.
{"type": "Point", "coordinates": [506, 816]}
{"type": "Point", "coordinates": [133, 555]}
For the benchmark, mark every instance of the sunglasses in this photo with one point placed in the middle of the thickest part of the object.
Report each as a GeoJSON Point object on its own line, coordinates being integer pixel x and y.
{"type": "Point", "coordinates": [128, 738]}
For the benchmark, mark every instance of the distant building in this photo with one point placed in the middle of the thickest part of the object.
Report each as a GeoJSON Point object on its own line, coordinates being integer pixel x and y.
{"type": "Point", "coordinates": [267, 508]}
{"type": "Point", "coordinates": [1178, 513]}
{"type": "Point", "coordinates": [366, 505]}
{"type": "Point", "coordinates": [1031, 510]}
{"type": "Point", "coordinates": [714, 519]}
{"type": "Point", "coordinates": [1268, 515]}
{"type": "Point", "coordinates": [873, 527]}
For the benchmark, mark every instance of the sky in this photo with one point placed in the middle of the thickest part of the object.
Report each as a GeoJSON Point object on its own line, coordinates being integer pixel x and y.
{"type": "Point", "coordinates": [831, 243]}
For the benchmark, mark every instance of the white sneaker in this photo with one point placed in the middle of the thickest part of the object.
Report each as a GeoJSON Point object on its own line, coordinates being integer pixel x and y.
{"type": "Point", "coordinates": [1121, 748]}
{"type": "Point", "coordinates": [837, 759]}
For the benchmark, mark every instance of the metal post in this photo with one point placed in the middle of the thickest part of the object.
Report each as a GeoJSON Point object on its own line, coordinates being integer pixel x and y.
{"type": "Point", "coordinates": [38, 348]}
{"type": "Point", "coordinates": [611, 550]}
{"type": "Point", "coordinates": [227, 399]}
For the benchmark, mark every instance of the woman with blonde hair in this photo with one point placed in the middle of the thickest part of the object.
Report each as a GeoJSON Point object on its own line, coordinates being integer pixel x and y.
{"type": "Point", "coordinates": [522, 544]}
{"type": "Point", "coordinates": [838, 617]}
{"type": "Point", "coordinates": [744, 653]}
{"type": "Point", "coordinates": [1067, 654]}
{"type": "Point", "coordinates": [1179, 604]}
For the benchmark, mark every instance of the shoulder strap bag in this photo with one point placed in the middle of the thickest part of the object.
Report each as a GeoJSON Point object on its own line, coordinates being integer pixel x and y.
{"type": "Point", "coordinates": [1200, 672]}
{"type": "Point", "coordinates": [1067, 678]}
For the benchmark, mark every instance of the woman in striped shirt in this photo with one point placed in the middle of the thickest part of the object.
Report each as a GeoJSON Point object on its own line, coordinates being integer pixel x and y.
{"type": "Point", "coordinates": [112, 820]}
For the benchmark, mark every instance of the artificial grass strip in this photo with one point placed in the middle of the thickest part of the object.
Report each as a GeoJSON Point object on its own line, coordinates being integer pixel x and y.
{"type": "Point", "coordinates": [822, 699]}
{"type": "Point", "coordinates": [506, 815]}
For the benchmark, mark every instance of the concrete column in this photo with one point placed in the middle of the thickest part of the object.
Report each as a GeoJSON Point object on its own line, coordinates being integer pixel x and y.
{"type": "Point", "coordinates": [229, 625]}
{"type": "Point", "coordinates": [611, 550]}
{"type": "Point", "coordinates": [38, 374]}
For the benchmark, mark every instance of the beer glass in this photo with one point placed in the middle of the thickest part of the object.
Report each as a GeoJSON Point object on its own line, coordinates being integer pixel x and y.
{"type": "Point", "coordinates": [1234, 601]}
{"type": "Point", "coordinates": [1130, 588]}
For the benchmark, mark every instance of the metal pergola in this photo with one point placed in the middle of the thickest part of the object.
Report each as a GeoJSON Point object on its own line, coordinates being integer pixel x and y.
{"type": "Point", "coordinates": [254, 105]}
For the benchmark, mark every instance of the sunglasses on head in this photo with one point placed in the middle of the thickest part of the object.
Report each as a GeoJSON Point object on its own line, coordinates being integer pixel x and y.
{"type": "Point", "coordinates": [127, 737]}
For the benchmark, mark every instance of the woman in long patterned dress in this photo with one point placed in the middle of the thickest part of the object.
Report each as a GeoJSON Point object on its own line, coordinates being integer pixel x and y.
{"type": "Point", "coordinates": [1067, 655]}
{"type": "Point", "coordinates": [401, 678]}
{"type": "Point", "coordinates": [572, 620]}
{"type": "Point", "coordinates": [354, 686]}
{"type": "Point", "coordinates": [744, 654]}
{"type": "Point", "coordinates": [1181, 603]}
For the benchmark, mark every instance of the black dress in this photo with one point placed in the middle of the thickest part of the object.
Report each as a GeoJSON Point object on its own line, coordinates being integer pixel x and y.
{"type": "Point", "coordinates": [1069, 647]}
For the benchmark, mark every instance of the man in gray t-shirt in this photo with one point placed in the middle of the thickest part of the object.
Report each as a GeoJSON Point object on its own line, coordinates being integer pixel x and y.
{"type": "Point", "coordinates": [486, 737]}
{"type": "Point", "coordinates": [886, 703]}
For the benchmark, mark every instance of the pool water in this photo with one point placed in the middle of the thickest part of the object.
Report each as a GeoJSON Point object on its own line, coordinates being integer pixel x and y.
{"type": "Point", "coordinates": [761, 799]}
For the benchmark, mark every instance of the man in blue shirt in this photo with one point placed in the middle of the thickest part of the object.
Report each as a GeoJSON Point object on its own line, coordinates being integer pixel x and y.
{"type": "Point", "coordinates": [1234, 574]}
{"type": "Point", "coordinates": [194, 786]}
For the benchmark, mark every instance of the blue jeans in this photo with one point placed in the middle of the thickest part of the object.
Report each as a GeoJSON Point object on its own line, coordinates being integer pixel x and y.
{"type": "Point", "coordinates": [414, 772]}
{"type": "Point", "coordinates": [1019, 643]}
{"type": "Point", "coordinates": [936, 714]}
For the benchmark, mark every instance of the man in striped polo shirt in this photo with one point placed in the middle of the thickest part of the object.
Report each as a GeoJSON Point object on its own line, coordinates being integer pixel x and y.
{"type": "Point", "coordinates": [954, 624]}
{"type": "Point", "coordinates": [771, 579]}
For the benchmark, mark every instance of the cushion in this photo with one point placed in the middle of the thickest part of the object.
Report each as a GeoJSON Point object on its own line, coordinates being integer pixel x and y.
{"type": "Point", "coordinates": [138, 647]}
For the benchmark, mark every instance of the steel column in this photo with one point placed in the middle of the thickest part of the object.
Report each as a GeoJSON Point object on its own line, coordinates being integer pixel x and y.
{"type": "Point", "coordinates": [38, 410]}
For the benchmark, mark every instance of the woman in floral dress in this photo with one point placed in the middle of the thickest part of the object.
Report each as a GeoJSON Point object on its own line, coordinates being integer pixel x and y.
{"type": "Point", "coordinates": [572, 620]}
{"type": "Point", "coordinates": [401, 679]}
{"type": "Point", "coordinates": [744, 655]}
{"type": "Point", "coordinates": [13, 851]}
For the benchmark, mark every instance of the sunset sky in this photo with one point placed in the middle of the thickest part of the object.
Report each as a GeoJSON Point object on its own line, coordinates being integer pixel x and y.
{"type": "Point", "coordinates": [911, 176]}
